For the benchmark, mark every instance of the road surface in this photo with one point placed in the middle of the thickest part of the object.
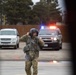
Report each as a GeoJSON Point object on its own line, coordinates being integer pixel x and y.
{"type": "Point", "coordinates": [44, 68]}
{"type": "Point", "coordinates": [17, 54]}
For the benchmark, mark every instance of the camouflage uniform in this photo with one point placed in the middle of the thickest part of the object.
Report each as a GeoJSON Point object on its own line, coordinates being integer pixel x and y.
{"type": "Point", "coordinates": [34, 62]}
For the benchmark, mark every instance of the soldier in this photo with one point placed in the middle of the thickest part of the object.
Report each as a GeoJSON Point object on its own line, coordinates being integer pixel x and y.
{"type": "Point", "coordinates": [32, 53]}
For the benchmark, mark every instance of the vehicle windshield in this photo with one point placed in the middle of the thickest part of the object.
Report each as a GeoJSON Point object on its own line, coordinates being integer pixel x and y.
{"type": "Point", "coordinates": [47, 32]}
{"type": "Point", "coordinates": [7, 32]}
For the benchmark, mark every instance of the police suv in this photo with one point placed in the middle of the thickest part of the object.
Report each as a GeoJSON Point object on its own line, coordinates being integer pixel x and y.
{"type": "Point", "coordinates": [51, 36]}
{"type": "Point", "coordinates": [9, 37]}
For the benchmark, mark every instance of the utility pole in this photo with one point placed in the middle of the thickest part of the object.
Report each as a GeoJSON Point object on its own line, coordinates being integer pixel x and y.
{"type": "Point", "coordinates": [4, 20]}
{"type": "Point", "coordinates": [1, 17]}
{"type": "Point", "coordinates": [1, 13]}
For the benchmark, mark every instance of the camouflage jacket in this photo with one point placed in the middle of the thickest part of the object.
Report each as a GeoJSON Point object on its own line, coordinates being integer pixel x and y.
{"type": "Point", "coordinates": [25, 37]}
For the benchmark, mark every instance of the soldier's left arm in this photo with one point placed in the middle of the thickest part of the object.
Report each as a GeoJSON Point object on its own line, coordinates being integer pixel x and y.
{"type": "Point", "coordinates": [41, 42]}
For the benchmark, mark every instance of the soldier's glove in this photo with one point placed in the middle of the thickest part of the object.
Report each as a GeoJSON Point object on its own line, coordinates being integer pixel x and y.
{"type": "Point", "coordinates": [27, 33]}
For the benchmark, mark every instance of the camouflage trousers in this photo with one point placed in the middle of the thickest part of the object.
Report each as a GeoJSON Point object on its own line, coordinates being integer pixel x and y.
{"type": "Point", "coordinates": [33, 64]}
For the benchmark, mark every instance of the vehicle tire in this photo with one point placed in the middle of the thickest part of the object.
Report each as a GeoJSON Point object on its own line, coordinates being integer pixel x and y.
{"type": "Point", "coordinates": [18, 45]}
{"type": "Point", "coordinates": [61, 46]}
{"type": "Point", "coordinates": [57, 49]}
{"type": "Point", "coordinates": [0, 46]}
{"type": "Point", "coordinates": [15, 47]}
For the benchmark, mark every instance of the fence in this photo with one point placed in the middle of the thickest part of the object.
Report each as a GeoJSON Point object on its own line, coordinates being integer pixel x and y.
{"type": "Point", "coordinates": [23, 29]}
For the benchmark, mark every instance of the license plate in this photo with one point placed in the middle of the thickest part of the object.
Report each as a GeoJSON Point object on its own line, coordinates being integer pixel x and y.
{"type": "Point", "coordinates": [46, 45]}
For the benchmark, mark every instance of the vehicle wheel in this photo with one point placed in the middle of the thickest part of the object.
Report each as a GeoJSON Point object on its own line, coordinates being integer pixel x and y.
{"type": "Point", "coordinates": [0, 46]}
{"type": "Point", "coordinates": [15, 47]}
{"type": "Point", "coordinates": [61, 46]}
{"type": "Point", "coordinates": [18, 45]}
{"type": "Point", "coordinates": [57, 49]}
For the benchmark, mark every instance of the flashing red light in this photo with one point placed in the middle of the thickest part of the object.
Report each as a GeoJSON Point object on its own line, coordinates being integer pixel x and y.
{"type": "Point", "coordinates": [53, 27]}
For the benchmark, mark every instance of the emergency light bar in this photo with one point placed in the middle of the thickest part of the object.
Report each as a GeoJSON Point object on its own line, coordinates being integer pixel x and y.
{"type": "Point", "coordinates": [53, 27]}
{"type": "Point", "coordinates": [42, 27]}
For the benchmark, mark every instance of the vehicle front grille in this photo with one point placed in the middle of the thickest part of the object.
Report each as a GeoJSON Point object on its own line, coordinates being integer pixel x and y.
{"type": "Point", "coordinates": [5, 42]}
{"type": "Point", "coordinates": [5, 39]}
{"type": "Point", "coordinates": [47, 40]}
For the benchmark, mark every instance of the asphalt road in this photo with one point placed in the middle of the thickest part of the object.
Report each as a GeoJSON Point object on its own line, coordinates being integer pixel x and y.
{"type": "Point", "coordinates": [44, 68]}
{"type": "Point", "coordinates": [17, 54]}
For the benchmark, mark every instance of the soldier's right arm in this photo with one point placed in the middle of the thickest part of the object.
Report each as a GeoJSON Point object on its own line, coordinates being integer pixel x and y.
{"type": "Point", "coordinates": [23, 38]}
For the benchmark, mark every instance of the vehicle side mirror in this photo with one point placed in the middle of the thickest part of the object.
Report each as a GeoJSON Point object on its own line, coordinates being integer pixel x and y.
{"type": "Point", "coordinates": [59, 34]}
{"type": "Point", "coordinates": [18, 35]}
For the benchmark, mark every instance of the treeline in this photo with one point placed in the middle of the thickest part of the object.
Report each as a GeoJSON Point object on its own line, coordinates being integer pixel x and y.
{"type": "Point", "coordinates": [24, 12]}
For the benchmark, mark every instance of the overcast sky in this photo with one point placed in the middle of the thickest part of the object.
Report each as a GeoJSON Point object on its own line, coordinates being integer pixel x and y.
{"type": "Point", "coordinates": [61, 3]}
{"type": "Point", "coordinates": [35, 1]}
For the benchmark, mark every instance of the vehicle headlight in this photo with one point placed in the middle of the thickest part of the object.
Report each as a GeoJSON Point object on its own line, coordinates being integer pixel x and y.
{"type": "Point", "coordinates": [55, 39]}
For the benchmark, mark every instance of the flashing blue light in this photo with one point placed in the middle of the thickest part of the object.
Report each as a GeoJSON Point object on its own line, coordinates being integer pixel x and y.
{"type": "Point", "coordinates": [42, 27]}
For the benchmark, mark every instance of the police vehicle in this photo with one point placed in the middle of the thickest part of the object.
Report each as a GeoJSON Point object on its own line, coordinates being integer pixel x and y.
{"type": "Point", "coordinates": [51, 36]}
{"type": "Point", "coordinates": [9, 37]}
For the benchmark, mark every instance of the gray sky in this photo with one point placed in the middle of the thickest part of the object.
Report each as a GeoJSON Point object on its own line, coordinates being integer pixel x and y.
{"type": "Point", "coordinates": [61, 3]}
{"type": "Point", "coordinates": [35, 1]}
